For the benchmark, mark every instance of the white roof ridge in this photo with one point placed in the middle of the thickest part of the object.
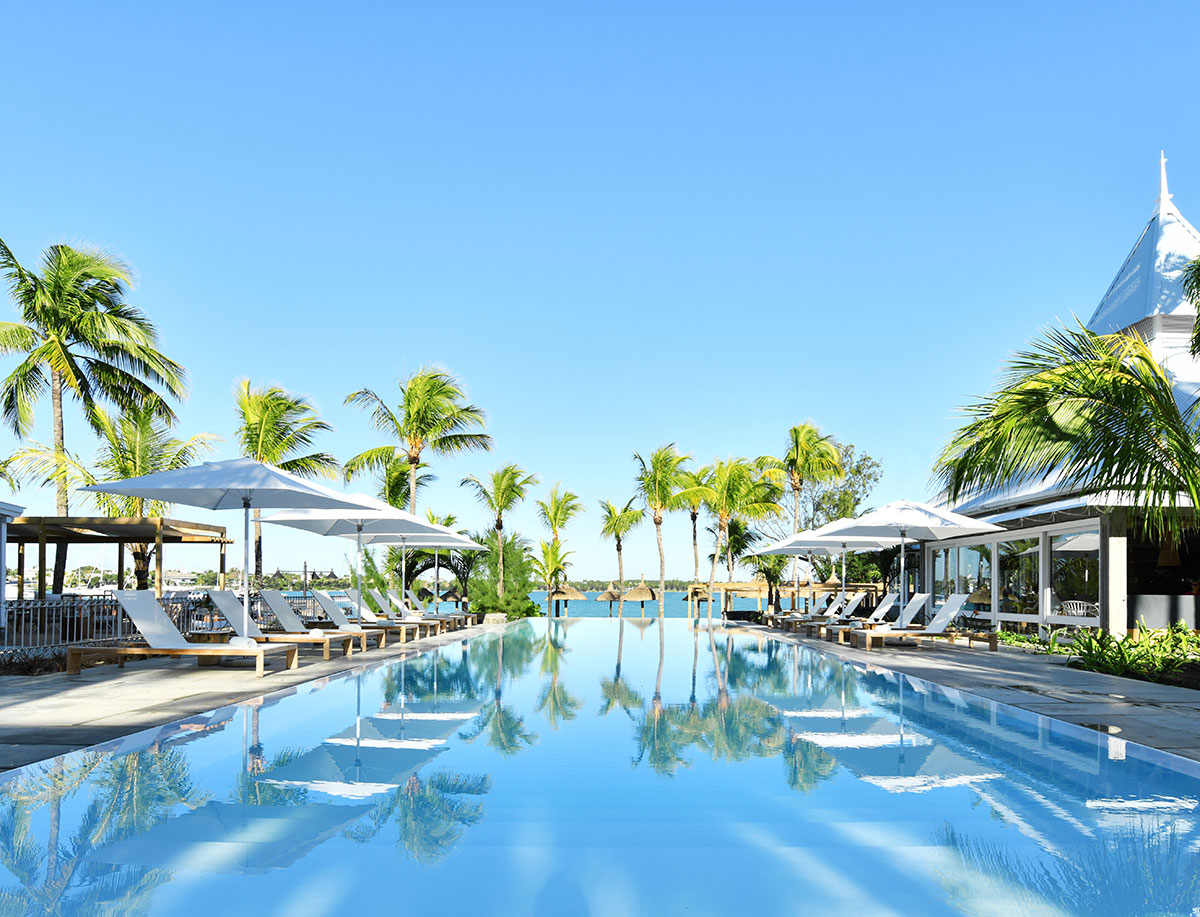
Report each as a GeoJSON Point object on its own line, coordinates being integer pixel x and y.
{"type": "Point", "coordinates": [1167, 242]}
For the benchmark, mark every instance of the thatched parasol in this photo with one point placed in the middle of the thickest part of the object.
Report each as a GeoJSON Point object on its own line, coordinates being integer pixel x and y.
{"type": "Point", "coordinates": [451, 595]}
{"type": "Point", "coordinates": [609, 595]}
{"type": "Point", "coordinates": [566, 593]}
{"type": "Point", "coordinates": [640, 593]}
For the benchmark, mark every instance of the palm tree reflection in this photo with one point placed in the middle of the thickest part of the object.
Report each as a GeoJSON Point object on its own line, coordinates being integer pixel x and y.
{"type": "Point", "coordinates": [509, 654]}
{"type": "Point", "coordinates": [129, 795]}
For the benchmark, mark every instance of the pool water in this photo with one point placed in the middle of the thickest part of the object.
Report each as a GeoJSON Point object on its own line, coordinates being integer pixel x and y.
{"type": "Point", "coordinates": [609, 768]}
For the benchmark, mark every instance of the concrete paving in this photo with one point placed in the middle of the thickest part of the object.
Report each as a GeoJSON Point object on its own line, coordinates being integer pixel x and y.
{"type": "Point", "coordinates": [48, 715]}
{"type": "Point", "coordinates": [1160, 716]}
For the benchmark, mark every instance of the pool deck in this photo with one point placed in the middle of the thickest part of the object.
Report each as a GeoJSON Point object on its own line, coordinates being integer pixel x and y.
{"type": "Point", "coordinates": [49, 715]}
{"type": "Point", "coordinates": [1160, 716]}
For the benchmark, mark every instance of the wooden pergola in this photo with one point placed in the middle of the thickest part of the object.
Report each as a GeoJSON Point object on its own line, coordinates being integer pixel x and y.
{"type": "Point", "coordinates": [117, 531]}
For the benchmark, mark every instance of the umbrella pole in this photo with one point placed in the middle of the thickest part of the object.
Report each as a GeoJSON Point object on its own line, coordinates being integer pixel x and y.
{"type": "Point", "coordinates": [437, 584]}
{"type": "Point", "coordinates": [246, 565]}
{"type": "Point", "coordinates": [404, 571]}
{"type": "Point", "coordinates": [843, 573]}
{"type": "Point", "coordinates": [360, 582]}
{"type": "Point", "coordinates": [903, 581]}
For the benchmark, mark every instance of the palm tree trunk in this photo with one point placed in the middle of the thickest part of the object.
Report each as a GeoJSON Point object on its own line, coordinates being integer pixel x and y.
{"type": "Point", "coordinates": [712, 576]}
{"type": "Point", "coordinates": [413, 461]}
{"type": "Point", "coordinates": [60, 452]}
{"type": "Point", "coordinates": [729, 557]}
{"type": "Point", "coordinates": [795, 531]}
{"type": "Point", "coordinates": [662, 565]}
{"type": "Point", "coordinates": [141, 565]}
{"type": "Point", "coordinates": [695, 549]}
{"type": "Point", "coordinates": [500, 556]}
{"type": "Point", "coordinates": [621, 578]}
{"type": "Point", "coordinates": [258, 550]}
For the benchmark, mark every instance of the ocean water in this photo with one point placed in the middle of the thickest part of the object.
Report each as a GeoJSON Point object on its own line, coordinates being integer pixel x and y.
{"type": "Point", "coordinates": [675, 606]}
{"type": "Point", "coordinates": [635, 767]}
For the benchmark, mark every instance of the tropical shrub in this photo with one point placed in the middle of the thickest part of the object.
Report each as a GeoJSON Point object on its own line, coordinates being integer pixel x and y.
{"type": "Point", "coordinates": [1151, 654]}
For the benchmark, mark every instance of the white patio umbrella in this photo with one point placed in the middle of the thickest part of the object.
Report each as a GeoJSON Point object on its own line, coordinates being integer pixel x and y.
{"type": "Point", "coordinates": [450, 539]}
{"type": "Point", "coordinates": [369, 516]}
{"type": "Point", "coordinates": [813, 541]}
{"type": "Point", "coordinates": [239, 483]}
{"type": "Point", "coordinates": [911, 521]}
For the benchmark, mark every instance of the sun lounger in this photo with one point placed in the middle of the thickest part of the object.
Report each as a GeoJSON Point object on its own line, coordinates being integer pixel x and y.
{"type": "Point", "coordinates": [452, 621]}
{"type": "Point", "coordinates": [795, 623]}
{"type": "Point", "coordinates": [813, 628]}
{"type": "Point", "coordinates": [333, 611]}
{"type": "Point", "coordinates": [431, 625]}
{"type": "Point", "coordinates": [938, 628]}
{"type": "Point", "coordinates": [386, 621]}
{"type": "Point", "coordinates": [162, 638]}
{"type": "Point", "coordinates": [835, 632]}
{"type": "Point", "coordinates": [292, 623]}
{"type": "Point", "coordinates": [790, 621]}
{"type": "Point", "coordinates": [227, 603]}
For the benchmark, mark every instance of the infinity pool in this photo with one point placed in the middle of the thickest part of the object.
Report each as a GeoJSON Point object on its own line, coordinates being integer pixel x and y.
{"type": "Point", "coordinates": [600, 767]}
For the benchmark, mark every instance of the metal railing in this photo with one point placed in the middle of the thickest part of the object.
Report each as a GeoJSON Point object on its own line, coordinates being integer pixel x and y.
{"type": "Point", "coordinates": [89, 620]}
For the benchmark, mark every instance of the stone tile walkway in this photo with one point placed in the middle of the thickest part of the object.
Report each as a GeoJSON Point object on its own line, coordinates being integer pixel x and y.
{"type": "Point", "coordinates": [1160, 716]}
{"type": "Point", "coordinates": [49, 715]}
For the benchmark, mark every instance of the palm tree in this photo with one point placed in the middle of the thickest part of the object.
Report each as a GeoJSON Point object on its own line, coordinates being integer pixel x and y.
{"type": "Point", "coordinates": [273, 426]}
{"type": "Point", "coordinates": [810, 458]}
{"type": "Point", "coordinates": [507, 486]}
{"type": "Point", "coordinates": [395, 485]}
{"type": "Point", "coordinates": [1097, 410]}
{"type": "Point", "coordinates": [558, 509]}
{"type": "Point", "coordinates": [736, 488]}
{"type": "Point", "coordinates": [1191, 289]}
{"type": "Point", "coordinates": [616, 524]}
{"type": "Point", "coordinates": [551, 567]}
{"type": "Point", "coordinates": [431, 415]}
{"type": "Point", "coordinates": [81, 339]}
{"type": "Point", "coordinates": [692, 499]}
{"type": "Point", "coordinates": [137, 442]}
{"type": "Point", "coordinates": [658, 484]}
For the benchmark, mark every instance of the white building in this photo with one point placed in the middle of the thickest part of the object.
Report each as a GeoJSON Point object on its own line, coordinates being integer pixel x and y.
{"type": "Point", "coordinates": [1068, 557]}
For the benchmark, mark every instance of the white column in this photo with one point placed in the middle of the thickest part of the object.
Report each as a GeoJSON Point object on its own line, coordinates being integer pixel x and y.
{"type": "Point", "coordinates": [3, 570]}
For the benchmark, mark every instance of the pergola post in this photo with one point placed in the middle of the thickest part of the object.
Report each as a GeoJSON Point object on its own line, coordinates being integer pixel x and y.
{"type": "Point", "coordinates": [120, 565]}
{"type": "Point", "coordinates": [20, 570]}
{"type": "Point", "coordinates": [158, 560]}
{"type": "Point", "coordinates": [221, 569]}
{"type": "Point", "coordinates": [41, 590]}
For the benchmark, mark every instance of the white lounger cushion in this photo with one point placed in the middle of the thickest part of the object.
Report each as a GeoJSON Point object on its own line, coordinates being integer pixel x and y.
{"type": "Point", "coordinates": [227, 603]}
{"type": "Point", "coordinates": [283, 611]}
{"type": "Point", "coordinates": [151, 621]}
{"type": "Point", "coordinates": [333, 611]}
{"type": "Point", "coordinates": [913, 608]}
{"type": "Point", "coordinates": [884, 606]}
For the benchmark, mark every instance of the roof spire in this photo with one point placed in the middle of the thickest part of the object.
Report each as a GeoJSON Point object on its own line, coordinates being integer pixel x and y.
{"type": "Point", "coordinates": [1164, 196]}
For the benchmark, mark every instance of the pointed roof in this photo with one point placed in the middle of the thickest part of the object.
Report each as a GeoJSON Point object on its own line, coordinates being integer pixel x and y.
{"type": "Point", "coordinates": [1150, 281]}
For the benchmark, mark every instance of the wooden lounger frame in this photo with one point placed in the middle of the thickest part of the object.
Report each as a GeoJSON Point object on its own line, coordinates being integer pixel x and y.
{"type": "Point", "coordinates": [205, 653]}
{"type": "Point", "coordinates": [870, 637]}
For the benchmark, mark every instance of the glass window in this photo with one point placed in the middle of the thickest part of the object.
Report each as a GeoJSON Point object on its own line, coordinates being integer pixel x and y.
{"type": "Point", "coordinates": [1075, 574]}
{"type": "Point", "coordinates": [1018, 581]}
{"type": "Point", "coordinates": [975, 578]}
{"type": "Point", "coordinates": [945, 564]}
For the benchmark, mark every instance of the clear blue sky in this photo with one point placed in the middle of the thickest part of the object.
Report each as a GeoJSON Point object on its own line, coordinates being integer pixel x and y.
{"type": "Point", "coordinates": [622, 224]}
